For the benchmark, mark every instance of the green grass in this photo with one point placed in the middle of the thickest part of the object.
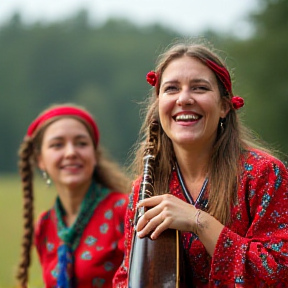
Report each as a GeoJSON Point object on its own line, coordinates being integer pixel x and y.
{"type": "Point", "coordinates": [11, 228]}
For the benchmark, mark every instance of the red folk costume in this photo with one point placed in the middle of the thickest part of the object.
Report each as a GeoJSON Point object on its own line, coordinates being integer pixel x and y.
{"type": "Point", "coordinates": [252, 251]}
{"type": "Point", "coordinates": [88, 253]}
{"type": "Point", "coordinates": [100, 249]}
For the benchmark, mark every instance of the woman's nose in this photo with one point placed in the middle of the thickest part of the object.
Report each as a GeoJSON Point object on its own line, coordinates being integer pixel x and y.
{"type": "Point", "coordinates": [184, 98]}
{"type": "Point", "coordinates": [70, 149]}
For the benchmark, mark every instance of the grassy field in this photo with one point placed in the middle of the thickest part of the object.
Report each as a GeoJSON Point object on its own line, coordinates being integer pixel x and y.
{"type": "Point", "coordinates": [11, 228]}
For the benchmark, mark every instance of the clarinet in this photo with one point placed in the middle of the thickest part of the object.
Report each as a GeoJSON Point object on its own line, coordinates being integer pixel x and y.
{"type": "Point", "coordinates": [154, 263]}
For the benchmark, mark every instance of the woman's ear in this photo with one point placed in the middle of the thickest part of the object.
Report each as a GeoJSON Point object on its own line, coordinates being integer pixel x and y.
{"type": "Point", "coordinates": [40, 163]}
{"type": "Point", "coordinates": [225, 107]}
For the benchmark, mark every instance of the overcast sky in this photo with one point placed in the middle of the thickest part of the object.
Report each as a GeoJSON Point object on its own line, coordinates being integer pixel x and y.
{"type": "Point", "coordinates": [187, 16]}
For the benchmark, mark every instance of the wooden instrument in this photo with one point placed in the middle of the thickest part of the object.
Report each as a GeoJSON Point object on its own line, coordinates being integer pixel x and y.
{"type": "Point", "coordinates": [154, 263]}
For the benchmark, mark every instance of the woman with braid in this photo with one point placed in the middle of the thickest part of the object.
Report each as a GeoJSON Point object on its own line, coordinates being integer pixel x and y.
{"type": "Point", "coordinates": [80, 239]}
{"type": "Point", "coordinates": [213, 182]}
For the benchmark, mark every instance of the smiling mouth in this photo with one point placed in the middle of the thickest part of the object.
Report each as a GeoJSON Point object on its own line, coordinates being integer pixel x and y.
{"type": "Point", "coordinates": [187, 118]}
{"type": "Point", "coordinates": [74, 166]}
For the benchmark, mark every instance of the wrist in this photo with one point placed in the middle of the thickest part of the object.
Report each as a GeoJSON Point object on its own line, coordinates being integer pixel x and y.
{"type": "Point", "coordinates": [198, 218]}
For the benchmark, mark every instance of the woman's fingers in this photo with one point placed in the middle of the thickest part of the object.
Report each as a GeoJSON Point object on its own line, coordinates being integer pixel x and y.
{"type": "Point", "coordinates": [165, 211]}
{"type": "Point", "coordinates": [148, 216]}
{"type": "Point", "coordinates": [156, 205]}
{"type": "Point", "coordinates": [154, 227]}
{"type": "Point", "coordinates": [150, 202]}
{"type": "Point", "coordinates": [154, 216]}
{"type": "Point", "coordinates": [159, 229]}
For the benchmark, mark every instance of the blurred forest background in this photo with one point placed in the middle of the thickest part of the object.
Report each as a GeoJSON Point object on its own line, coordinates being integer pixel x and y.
{"type": "Point", "coordinates": [103, 68]}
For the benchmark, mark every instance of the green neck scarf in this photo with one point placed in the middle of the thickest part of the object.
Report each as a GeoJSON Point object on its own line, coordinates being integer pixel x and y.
{"type": "Point", "coordinates": [71, 235]}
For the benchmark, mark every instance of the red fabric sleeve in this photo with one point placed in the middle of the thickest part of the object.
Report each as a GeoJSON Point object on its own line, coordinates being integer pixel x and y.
{"type": "Point", "coordinates": [38, 235]}
{"type": "Point", "coordinates": [120, 279]}
{"type": "Point", "coordinates": [260, 256]}
{"type": "Point", "coordinates": [120, 212]}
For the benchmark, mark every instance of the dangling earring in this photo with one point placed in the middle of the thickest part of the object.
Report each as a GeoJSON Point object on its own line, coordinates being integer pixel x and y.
{"type": "Point", "coordinates": [46, 178]}
{"type": "Point", "coordinates": [221, 123]}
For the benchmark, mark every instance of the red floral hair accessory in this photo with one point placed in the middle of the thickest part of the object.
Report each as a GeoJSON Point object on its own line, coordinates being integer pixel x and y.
{"type": "Point", "coordinates": [152, 78]}
{"type": "Point", "coordinates": [237, 102]}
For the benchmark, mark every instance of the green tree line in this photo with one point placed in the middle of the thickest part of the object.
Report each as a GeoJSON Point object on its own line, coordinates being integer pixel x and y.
{"type": "Point", "coordinates": [103, 68]}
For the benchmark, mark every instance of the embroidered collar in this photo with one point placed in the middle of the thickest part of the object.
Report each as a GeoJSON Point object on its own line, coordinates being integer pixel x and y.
{"type": "Point", "coordinates": [187, 194]}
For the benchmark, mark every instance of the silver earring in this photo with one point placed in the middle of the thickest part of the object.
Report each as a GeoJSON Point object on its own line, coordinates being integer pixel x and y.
{"type": "Point", "coordinates": [46, 178]}
{"type": "Point", "coordinates": [222, 127]}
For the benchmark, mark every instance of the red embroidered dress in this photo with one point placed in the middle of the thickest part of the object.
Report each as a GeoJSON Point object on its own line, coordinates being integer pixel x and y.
{"type": "Point", "coordinates": [100, 250]}
{"type": "Point", "coordinates": [253, 250]}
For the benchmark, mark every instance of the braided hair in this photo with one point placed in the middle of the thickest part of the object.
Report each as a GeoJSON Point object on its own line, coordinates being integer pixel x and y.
{"type": "Point", "coordinates": [26, 173]}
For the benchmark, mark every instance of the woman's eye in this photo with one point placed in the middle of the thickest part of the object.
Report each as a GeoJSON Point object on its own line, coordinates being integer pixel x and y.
{"type": "Point", "coordinates": [170, 88]}
{"type": "Point", "coordinates": [56, 145]}
{"type": "Point", "coordinates": [200, 88]}
{"type": "Point", "coordinates": [82, 143]}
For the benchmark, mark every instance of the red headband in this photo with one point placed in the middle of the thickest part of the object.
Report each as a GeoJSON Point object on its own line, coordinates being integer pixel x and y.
{"type": "Point", "coordinates": [222, 73]}
{"type": "Point", "coordinates": [64, 111]}
{"type": "Point", "coordinates": [224, 76]}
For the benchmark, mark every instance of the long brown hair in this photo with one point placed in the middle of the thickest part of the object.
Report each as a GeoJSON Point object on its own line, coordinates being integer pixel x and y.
{"type": "Point", "coordinates": [107, 172]}
{"type": "Point", "coordinates": [224, 167]}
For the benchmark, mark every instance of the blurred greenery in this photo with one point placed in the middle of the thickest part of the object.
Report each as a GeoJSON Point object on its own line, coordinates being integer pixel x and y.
{"type": "Point", "coordinates": [11, 227]}
{"type": "Point", "coordinates": [103, 68]}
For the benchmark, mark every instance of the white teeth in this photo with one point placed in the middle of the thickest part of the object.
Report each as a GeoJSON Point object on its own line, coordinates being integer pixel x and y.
{"type": "Point", "coordinates": [186, 117]}
{"type": "Point", "coordinates": [73, 166]}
